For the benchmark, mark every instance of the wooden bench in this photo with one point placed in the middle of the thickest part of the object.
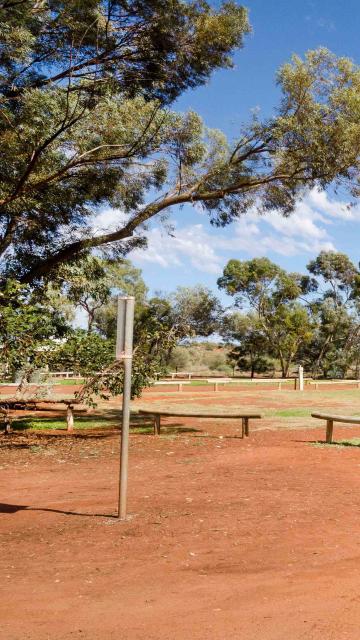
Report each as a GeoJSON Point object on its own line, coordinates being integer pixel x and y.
{"type": "Point", "coordinates": [172, 382]}
{"type": "Point", "coordinates": [244, 417]}
{"type": "Point", "coordinates": [316, 383]}
{"type": "Point", "coordinates": [331, 418]}
{"type": "Point", "coordinates": [176, 374]}
{"type": "Point", "coordinates": [218, 381]}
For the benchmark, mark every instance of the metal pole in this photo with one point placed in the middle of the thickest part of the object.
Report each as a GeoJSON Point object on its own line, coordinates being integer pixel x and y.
{"type": "Point", "coordinates": [124, 351]}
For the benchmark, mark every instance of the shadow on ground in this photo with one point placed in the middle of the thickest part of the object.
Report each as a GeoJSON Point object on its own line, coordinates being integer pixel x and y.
{"type": "Point", "coordinates": [14, 508]}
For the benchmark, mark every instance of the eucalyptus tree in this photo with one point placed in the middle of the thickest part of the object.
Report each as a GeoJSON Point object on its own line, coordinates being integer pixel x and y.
{"type": "Point", "coordinates": [250, 348]}
{"type": "Point", "coordinates": [93, 284]}
{"type": "Point", "coordinates": [83, 86]}
{"type": "Point", "coordinates": [85, 122]}
{"type": "Point", "coordinates": [335, 309]}
{"type": "Point", "coordinates": [277, 321]}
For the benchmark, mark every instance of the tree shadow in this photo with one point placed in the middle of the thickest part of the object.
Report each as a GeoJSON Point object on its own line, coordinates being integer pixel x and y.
{"type": "Point", "coordinates": [14, 508]}
{"type": "Point", "coordinates": [222, 437]}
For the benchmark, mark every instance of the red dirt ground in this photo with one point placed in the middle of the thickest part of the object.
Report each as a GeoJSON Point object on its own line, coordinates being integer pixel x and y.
{"type": "Point", "coordinates": [227, 539]}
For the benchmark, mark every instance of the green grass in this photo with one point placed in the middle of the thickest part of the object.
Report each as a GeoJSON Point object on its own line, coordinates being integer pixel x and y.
{"type": "Point", "coordinates": [81, 422]}
{"type": "Point", "coordinates": [296, 412]}
{"type": "Point", "coordinates": [347, 442]}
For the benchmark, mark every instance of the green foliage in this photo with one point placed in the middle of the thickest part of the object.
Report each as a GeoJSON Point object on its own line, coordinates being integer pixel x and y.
{"type": "Point", "coordinates": [154, 338]}
{"type": "Point", "coordinates": [83, 118]}
{"type": "Point", "coordinates": [200, 357]}
{"type": "Point", "coordinates": [277, 324]}
{"type": "Point", "coordinates": [84, 353]}
{"type": "Point", "coordinates": [251, 344]}
{"type": "Point", "coordinates": [85, 123]}
{"type": "Point", "coordinates": [196, 310]}
{"type": "Point", "coordinates": [28, 330]}
{"type": "Point", "coordinates": [336, 343]}
{"type": "Point", "coordinates": [313, 319]}
{"type": "Point", "coordinates": [90, 283]}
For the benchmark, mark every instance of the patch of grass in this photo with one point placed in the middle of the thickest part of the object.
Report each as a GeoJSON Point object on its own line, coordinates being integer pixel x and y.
{"type": "Point", "coordinates": [81, 422]}
{"type": "Point", "coordinates": [31, 423]}
{"type": "Point", "coordinates": [296, 412]}
{"type": "Point", "coordinates": [347, 442]}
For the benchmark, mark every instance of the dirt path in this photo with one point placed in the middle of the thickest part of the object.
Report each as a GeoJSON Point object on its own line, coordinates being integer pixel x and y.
{"type": "Point", "coordinates": [228, 539]}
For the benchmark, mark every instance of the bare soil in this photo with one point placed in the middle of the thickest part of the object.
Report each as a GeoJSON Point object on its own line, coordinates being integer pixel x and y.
{"type": "Point", "coordinates": [254, 539]}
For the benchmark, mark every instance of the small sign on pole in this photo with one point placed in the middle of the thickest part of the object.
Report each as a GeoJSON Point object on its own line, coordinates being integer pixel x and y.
{"type": "Point", "coordinates": [124, 351]}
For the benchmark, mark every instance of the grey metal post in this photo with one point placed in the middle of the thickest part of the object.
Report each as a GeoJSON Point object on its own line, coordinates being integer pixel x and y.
{"type": "Point", "coordinates": [124, 348]}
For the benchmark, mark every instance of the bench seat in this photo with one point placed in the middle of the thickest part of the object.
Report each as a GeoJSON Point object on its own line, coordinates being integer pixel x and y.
{"type": "Point", "coordinates": [243, 416]}
{"type": "Point", "coordinates": [331, 418]}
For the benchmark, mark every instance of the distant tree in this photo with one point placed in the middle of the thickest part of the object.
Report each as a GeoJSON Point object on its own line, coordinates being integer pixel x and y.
{"type": "Point", "coordinates": [191, 311]}
{"type": "Point", "coordinates": [90, 284]}
{"type": "Point", "coordinates": [250, 345]}
{"type": "Point", "coordinates": [179, 359]}
{"type": "Point", "coordinates": [154, 339]}
{"type": "Point", "coordinates": [335, 308]}
{"type": "Point", "coordinates": [290, 327]}
{"type": "Point", "coordinates": [271, 294]}
{"type": "Point", "coordinates": [196, 309]}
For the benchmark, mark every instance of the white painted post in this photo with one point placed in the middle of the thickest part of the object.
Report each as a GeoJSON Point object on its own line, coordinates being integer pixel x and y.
{"type": "Point", "coordinates": [70, 418]}
{"type": "Point", "coordinates": [124, 351]}
{"type": "Point", "coordinates": [301, 378]}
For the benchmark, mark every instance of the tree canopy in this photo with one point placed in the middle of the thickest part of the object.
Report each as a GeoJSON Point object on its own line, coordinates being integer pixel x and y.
{"type": "Point", "coordinates": [83, 86]}
{"type": "Point", "coordinates": [85, 122]}
{"type": "Point", "coordinates": [312, 319]}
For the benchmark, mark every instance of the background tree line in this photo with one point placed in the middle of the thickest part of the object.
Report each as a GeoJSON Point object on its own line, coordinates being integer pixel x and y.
{"type": "Point", "coordinates": [310, 319]}
{"type": "Point", "coordinates": [277, 320]}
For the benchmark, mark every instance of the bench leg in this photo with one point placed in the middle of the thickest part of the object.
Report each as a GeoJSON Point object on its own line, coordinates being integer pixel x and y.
{"type": "Point", "coordinates": [329, 431]}
{"type": "Point", "coordinates": [156, 425]}
{"type": "Point", "coordinates": [245, 427]}
{"type": "Point", "coordinates": [70, 418]}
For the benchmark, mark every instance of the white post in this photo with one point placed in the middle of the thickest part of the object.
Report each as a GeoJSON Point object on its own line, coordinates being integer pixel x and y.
{"type": "Point", "coordinates": [301, 378]}
{"type": "Point", "coordinates": [124, 349]}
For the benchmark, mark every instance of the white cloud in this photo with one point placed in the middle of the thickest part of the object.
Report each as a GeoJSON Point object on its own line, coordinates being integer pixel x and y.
{"type": "Point", "coordinates": [190, 245]}
{"type": "Point", "coordinates": [108, 219]}
{"type": "Point", "coordinates": [202, 248]}
{"type": "Point", "coordinates": [320, 201]}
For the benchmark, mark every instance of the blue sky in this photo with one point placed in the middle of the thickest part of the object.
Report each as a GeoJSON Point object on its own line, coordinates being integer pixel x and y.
{"type": "Point", "coordinates": [197, 253]}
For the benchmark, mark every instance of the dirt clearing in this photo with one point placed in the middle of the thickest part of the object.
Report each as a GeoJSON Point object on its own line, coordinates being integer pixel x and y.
{"type": "Point", "coordinates": [228, 539]}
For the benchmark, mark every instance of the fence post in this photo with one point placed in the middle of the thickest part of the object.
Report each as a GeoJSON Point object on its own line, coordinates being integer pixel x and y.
{"type": "Point", "coordinates": [301, 378]}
